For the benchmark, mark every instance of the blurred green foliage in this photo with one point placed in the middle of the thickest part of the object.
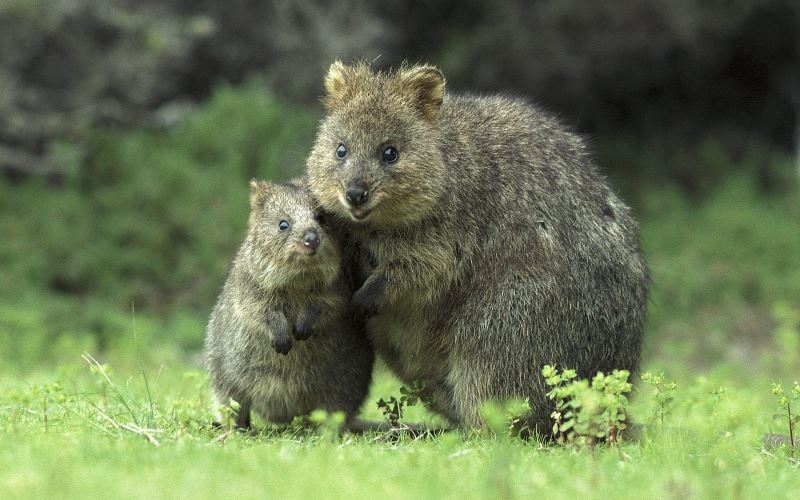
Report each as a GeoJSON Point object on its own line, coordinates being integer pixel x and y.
{"type": "Point", "coordinates": [720, 264]}
{"type": "Point", "coordinates": [145, 223]}
{"type": "Point", "coordinates": [151, 217]}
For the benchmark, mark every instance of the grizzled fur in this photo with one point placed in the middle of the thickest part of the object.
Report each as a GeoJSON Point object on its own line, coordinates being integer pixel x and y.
{"type": "Point", "coordinates": [496, 245]}
{"type": "Point", "coordinates": [278, 293]}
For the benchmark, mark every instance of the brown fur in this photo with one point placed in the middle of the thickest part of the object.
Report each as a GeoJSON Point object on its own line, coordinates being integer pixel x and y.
{"type": "Point", "coordinates": [497, 246]}
{"type": "Point", "coordinates": [277, 294]}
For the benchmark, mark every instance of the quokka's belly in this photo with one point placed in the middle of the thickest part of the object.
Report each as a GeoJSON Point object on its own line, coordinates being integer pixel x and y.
{"type": "Point", "coordinates": [403, 338]}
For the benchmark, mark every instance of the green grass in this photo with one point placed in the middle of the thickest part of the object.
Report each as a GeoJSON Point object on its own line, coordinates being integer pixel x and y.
{"type": "Point", "coordinates": [68, 446]}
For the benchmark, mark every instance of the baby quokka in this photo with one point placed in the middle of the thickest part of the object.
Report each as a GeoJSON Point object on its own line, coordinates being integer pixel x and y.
{"type": "Point", "coordinates": [281, 340]}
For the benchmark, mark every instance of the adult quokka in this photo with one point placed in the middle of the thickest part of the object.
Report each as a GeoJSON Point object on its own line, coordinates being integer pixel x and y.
{"type": "Point", "coordinates": [497, 247]}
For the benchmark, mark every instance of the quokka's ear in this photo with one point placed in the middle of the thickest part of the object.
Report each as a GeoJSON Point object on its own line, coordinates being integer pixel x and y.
{"type": "Point", "coordinates": [258, 191]}
{"type": "Point", "coordinates": [336, 84]}
{"type": "Point", "coordinates": [425, 84]}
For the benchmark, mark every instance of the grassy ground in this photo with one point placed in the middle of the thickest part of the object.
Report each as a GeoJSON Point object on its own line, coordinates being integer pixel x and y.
{"type": "Point", "coordinates": [65, 435]}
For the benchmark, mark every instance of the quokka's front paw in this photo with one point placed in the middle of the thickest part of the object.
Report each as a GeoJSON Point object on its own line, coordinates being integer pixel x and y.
{"type": "Point", "coordinates": [303, 329]}
{"type": "Point", "coordinates": [368, 299]}
{"type": "Point", "coordinates": [282, 344]}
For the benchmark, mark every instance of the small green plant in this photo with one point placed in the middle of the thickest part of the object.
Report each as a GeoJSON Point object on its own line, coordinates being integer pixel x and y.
{"type": "Point", "coordinates": [392, 409]}
{"type": "Point", "coordinates": [518, 414]}
{"type": "Point", "coordinates": [415, 393]}
{"type": "Point", "coordinates": [664, 394]}
{"type": "Point", "coordinates": [510, 419]}
{"type": "Point", "coordinates": [785, 402]}
{"type": "Point", "coordinates": [48, 396]}
{"type": "Point", "coordinates": [718, 394]}
{"type": "Point", "coordinates": [587, 411]}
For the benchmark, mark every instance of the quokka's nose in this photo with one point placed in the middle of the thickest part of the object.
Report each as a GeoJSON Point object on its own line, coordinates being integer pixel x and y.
{"type": "Point", "coordinates": [357, 194]}
{"type": "Point", "coordinates": [311, 239]}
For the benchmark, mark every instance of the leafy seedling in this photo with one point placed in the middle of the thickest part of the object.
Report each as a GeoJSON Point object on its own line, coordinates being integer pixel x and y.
{"type": "Point", "coordinates": [785, 401]}
{"type": "Point", "coordinates": [664, 394]}
{"type": "Point", "coordinates": [587, 411]}
{"type": "Point", "coordinates": [392, 409]}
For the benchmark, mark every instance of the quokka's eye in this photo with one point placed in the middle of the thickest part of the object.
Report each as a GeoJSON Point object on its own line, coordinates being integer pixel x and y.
{"type": "Point", "coordinates": [283, 225]}
{"type": "Point", "coordinates": [389, 155]}
{"type": "Point", "coordinates": [341, 151]}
